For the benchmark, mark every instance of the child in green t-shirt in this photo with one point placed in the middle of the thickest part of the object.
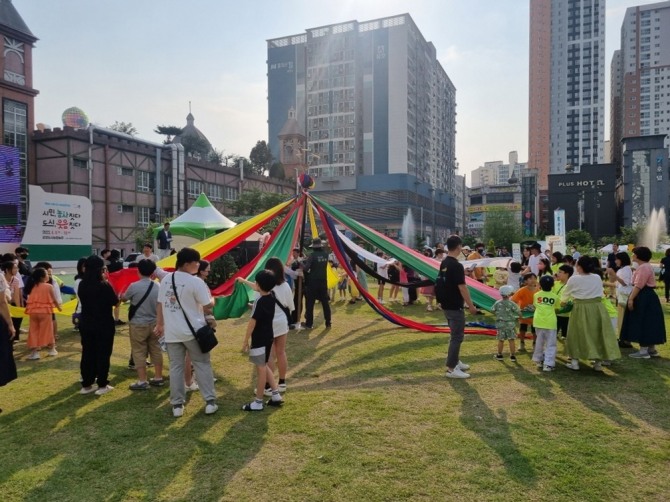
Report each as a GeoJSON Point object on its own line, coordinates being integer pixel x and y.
{"type": "Point", "coordinates": [507, 313]}
{"type": "Point", "coordinates": [546, 304]}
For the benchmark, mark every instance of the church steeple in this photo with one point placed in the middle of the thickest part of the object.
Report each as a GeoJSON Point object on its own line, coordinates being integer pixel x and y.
{"type": "Point", "coordinates": [292, 145]}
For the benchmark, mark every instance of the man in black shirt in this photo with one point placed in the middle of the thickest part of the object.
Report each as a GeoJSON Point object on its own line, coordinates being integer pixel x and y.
{"type": "Point", "coordinates": [612, 257]}
{"type": "Point", "coordinates": [316, 283]}
{"type": "Point", "coordinates": [25, 267]}
{"type": "Point", "coordinates": [451, 292]}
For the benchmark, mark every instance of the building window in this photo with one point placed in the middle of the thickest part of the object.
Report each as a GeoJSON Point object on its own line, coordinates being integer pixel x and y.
{"type": "Point", "coordinates": [125, 171]}
{"type": "Point", "coordinates": [80, 163]}
{"type": "Point", "coordinates": [231, 193]}
{"type": "Point", "coordinates": [194, 189]}
{"type": "Point", "coordinates": [215, 192]}
{"type": "Point", "coordinates": [15, 128]}
{"type": "Point", "coordinates": [144, 216]}
{"type": "Point", "coordinates": [125, 208]}
{"type": "Point", "coordinates": [167, 184]}
{"type": "Point", "coordinates": [146, 182]}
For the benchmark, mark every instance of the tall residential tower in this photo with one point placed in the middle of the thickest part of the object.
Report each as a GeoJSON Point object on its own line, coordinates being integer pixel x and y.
{"type": "Point", "coordinates": [567, 85]}
{"type": "Point", "coordinates": [641, 75]}
{"type": "Point", "coordinates": [379, 114]}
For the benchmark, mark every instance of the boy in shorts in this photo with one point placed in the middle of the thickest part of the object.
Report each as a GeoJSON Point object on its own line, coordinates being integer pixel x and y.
{"type": "Point", "coordinates": [507, 312]}
{"type": "Point", "coordinates": [259, 331]}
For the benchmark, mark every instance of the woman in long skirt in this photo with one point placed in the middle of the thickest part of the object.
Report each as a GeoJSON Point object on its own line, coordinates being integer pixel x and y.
{"type": "Point", "coordinates": [643, 320]}
{"type": "Point", "coordinates": [590, 332]}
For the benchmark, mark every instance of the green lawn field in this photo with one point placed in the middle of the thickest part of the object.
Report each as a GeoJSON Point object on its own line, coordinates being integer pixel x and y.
{"type": "Point", "coordinates": [369, 416]}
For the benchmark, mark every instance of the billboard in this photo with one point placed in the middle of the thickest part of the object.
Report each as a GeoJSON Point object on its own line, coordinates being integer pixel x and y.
{"type": "Point", "coordinates": [59, 226]}
{"type": "Point", "coordinates": [10, 195]}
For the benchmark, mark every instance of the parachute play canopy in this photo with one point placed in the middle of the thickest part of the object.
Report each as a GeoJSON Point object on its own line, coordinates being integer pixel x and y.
{"type": "Point", "coordinates": [201, 220]}
{"type": "Point", "coordinates": [296, 214]}
{"type": "Point", "coordinates": [232, 297]}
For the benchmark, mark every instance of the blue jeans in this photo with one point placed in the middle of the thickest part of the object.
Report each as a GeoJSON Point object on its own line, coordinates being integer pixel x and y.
{"type": "Point", "coordinates": [456, 320]}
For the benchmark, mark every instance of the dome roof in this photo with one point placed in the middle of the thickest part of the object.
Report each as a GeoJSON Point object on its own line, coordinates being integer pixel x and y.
{"type": "Point", "coordinates": [191, 130]}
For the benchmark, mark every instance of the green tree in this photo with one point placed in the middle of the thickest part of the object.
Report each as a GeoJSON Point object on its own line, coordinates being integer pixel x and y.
{"type": "Point", "coordinates": [216, 156]}
{"type": "Point", "coordinates": [631, 235]}
{"type": "Point", "coordinates": [255, 202]}
{"type": "Point", "coordinates": [502, 227]}
{"type": "Point", "coordinates": [145, 234]}
{"type": "Point", "coordinates": [234, 162]}
{"type": "Point", "coordinates": [260, 157]}
{"type": "Point", "coordinates": [579, 238]}
{"type": "Point", "coordinates": [277, 171]}
{"type": "Point", "coordinates": [124, 127]}
{"type": "Point", "coordinates": [168, 131]}
{"type": "Point", "coordinates": [196, 146]}
{"type": "Point", "coordinates": [221, 269]}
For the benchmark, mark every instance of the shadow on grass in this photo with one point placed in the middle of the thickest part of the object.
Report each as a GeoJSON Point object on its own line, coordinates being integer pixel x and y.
{"type": "Point", "coordinates": [494, 431]}
{"type": "Point", "coordinates": [636, 389]}
{"type": "Point", "coordinates": [132, 435]}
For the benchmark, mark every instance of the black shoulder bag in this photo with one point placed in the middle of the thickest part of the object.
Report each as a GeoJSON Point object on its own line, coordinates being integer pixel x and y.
{"type": "Point", "coordinates": [132, 310]}
{"type": "Point", "coordinates": [204, 336]}
{"type": "Point", "coordinates": [283, 308]}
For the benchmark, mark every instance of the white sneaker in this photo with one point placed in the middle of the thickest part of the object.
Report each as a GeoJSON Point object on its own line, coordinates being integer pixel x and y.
{"type": "Point", "coordinates": [33, 357]}
{"type": "Point", "coordinates": [597, 366]}
{"type": "Point", "coordinates": [104, 390]}
{"type": "Point", "coordinates": [86, 390]}
{"type": "Point", "coordinates": [282, 387]}
{"type": "Point", "coordinates": [192, 388]}
{"type": "Point", "coordinates": [178, 411]}
{"type": "Point", "coordinates": [462, 366]}
{"type": "Point", "coordinates": [635, 355]}
{"type": "Point", "coordinates": [211, 408]}
{"type": "Point", "coordinates": [457, 373]}
{"type": "Point", "coordinates": [573, 364]}
{"type": "Point", "coordinates": [547, 368]}
{"type": "Point", "coordinates": [52, 352]}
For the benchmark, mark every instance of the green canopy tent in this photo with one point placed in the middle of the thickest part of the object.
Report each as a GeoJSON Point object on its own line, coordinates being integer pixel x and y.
{"type": "Point", "coordinates": [201, 221]}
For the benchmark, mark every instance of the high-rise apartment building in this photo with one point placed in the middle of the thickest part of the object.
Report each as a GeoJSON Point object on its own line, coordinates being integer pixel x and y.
{"type": "Point", "coordinates": [497, 172]}
{"type": "Point", "coordinates": [379, 114]}
{"type": "Point", "coordinates": [567, 78]}
{"type": "Point", "coordinates": [642, 74]}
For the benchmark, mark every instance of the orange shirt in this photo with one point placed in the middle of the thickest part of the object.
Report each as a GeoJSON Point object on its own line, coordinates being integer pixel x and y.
{"type": "Point", "coordinates": [478, 271]}
{"type": "Point", "coordinates": [523, 298]}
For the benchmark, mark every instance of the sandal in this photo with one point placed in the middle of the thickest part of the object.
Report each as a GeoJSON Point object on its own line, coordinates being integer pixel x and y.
{"type": "Point", "coordinates": [429, 308]}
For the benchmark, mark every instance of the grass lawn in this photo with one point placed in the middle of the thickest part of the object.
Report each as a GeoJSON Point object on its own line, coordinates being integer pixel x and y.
{"type": "Point", "coordinates": [369, 416]}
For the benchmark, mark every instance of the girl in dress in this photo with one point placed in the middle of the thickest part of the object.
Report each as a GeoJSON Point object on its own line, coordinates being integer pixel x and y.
{"type": "Point", "coordinates": [40, 304]}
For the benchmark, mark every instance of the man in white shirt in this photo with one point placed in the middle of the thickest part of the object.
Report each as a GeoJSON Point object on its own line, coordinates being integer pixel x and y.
{"type": "Point", "coordinates": [147, 253]}
{"type": "Point", "coordinates": [192, 294]}
{"type": "Point", "coordinates": [534, 259]}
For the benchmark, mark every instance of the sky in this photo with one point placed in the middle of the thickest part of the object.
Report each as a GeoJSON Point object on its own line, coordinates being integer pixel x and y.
{"type": "Point", "coordinates": [142, 61]}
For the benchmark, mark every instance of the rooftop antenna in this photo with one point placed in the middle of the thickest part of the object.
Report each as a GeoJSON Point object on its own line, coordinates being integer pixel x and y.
{"type": "Point", "coordinates": [189, 107]}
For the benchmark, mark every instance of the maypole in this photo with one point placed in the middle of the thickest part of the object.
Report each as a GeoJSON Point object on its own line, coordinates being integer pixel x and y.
{"type": "Point", "coordinates": [306, 182]}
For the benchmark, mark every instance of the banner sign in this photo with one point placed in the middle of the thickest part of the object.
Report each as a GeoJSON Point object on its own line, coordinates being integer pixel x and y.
{"type": "Point", "coordinates": [559, 222]}
{"type": "Point", "coordinates": [59, 225]}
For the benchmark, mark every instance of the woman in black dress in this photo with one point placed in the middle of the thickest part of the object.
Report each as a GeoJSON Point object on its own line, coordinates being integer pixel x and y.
{"type": "Point", "coordinates": [665, 274]}
{"type": "Point", "coordinates": [96, 326]}
{"type": "Point", "coordinates": [7, 333]}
